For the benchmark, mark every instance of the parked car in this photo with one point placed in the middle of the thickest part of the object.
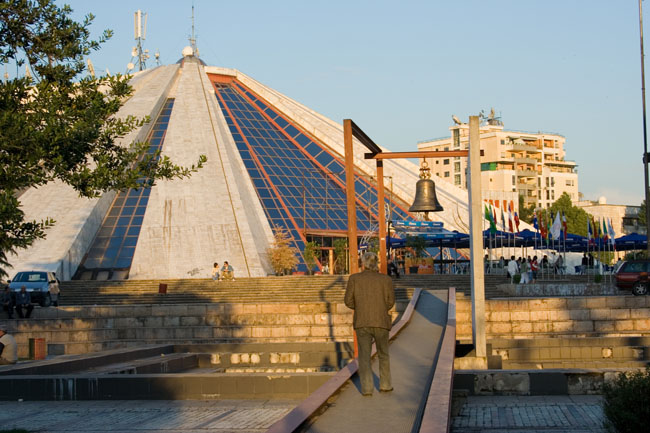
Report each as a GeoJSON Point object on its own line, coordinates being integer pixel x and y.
{"type": "Point", "coordinates": [633, 275]}
{"type": "Point", "coordinates": [37, 283]}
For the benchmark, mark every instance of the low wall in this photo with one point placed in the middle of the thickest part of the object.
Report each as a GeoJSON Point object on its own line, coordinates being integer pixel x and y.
{"type": "Point", "coordinates": [559, 289]}
{"type": "Point", "coordinates": [534, 382]}
{"type": "Point", "coordinates": [73, 330]}
{"type": "Point", "coordinates": [621, 315]}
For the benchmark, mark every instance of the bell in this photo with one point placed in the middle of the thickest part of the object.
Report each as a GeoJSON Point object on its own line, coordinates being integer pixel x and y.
{"type": "Point", "coordinates": [425, 193]}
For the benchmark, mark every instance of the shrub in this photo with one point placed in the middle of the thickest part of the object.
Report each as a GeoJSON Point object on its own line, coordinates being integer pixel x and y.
{"type": "Point", "coordinates": [598, 278]}
{"type": "Point", "coordinates": [310, 255]}
{"type": "Point", "coordinates": [516, 279]}
{"type": "Point", "coordinates": [282, 255]}
{"type": "Point", "coordinates": [626, 402]}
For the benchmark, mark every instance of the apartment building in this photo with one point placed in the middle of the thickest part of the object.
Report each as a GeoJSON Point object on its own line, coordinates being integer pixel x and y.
{"type": "Point", "coordinates": [531, 164]}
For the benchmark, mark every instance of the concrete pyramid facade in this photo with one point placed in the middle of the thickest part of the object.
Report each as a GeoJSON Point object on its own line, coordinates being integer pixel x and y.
{"type": "Point", "coordinates": [217, 214]}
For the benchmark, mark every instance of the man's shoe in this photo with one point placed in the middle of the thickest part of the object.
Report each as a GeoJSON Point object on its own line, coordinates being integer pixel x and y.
{"type": "Point", "coordinates": [367, 394]}
{"type": "Point", "coordinates": [386, 390]}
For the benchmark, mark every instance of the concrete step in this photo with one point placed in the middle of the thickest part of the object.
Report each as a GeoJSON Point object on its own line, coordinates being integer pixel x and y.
{"type": "Point", "coordinates": [582, 364]}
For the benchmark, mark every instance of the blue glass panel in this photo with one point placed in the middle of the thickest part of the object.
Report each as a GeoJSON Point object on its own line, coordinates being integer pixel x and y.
{"type": "Point", "coordinates": [131, 201]}
{"type": "Point", "coordinates": [291, 131]}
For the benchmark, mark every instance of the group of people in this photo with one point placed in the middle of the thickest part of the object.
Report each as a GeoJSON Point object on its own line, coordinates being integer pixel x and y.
{"type": "Point", "coordinates": [22, 302]}
{"type": "Point", "coordinates": [226, 272]}
{"type": "Point", "coordinates": [529, 267]}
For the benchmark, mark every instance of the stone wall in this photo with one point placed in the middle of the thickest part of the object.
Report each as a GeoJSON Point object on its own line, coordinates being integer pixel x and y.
{"type": "Point", "coordinates": [574, 316]}
{"type": "Point", "coordinates": [73, 330]}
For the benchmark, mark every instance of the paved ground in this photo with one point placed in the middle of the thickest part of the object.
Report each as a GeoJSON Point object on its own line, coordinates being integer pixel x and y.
{"type": "Point", "coordinates": [547, 414]}
{"type": "Point", "coordinates": [186, 416]}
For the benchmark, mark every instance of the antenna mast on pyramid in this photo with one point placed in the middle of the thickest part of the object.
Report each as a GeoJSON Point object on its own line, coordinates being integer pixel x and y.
{"type": "Point", "coordinates": [195, 50]}
{"type": "Point", "coordinates": [140, 34]}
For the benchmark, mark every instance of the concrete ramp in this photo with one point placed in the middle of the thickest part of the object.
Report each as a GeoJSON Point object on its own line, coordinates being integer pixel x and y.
{"type": "Point", "coordinates": [413, 358]}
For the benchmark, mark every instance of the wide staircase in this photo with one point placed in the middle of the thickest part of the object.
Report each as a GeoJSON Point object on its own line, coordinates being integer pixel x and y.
{"type": "Point", "coordinates": [321, 288]}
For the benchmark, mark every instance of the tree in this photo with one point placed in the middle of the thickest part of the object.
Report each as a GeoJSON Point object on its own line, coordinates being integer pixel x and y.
{"type": "Point", "coordinates": [526, 213]}
{"type": "Point", "coordinates": [61, 124]}
{"type": "Point", "coordinates": [642, 212]}
{"type": "Point", "coordinates": [576, 217]}
{"type": "Point", "coordinates": [282, 255]}
{"type": "Point", "coordinates": [340, 245]}
{"type": "Point", "coordinates": [310, 255]}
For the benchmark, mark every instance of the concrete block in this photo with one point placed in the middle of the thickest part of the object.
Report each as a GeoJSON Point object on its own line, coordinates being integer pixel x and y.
{"type": "Point", "coordinates": [343, 331]}
{"type": "Point", "coordinates": [522, 327]}
{"type": "Point", "coordinates": [193, 310]}
{"type": "Point", "coordinates": [538, 316]}
{"type": "Point", "coordinates": [321, 331]}
{"type": "Point", "coordinates": [241, 332]}
{"type": "Point", "coordinates": [542, 327]}
{"type": "Point", "coordinates": [576, 303]}
{"type": "Point", "coordinates": [299, 331]}
{"type": "Point", "coordinates": [340, 308]}
{"type": "Point", "coordinates": [302, 319]}
{"type": "Point", "coordinates": [499, 316]}
{"type": "Point", "coordinates": [153, 322]}
{"type": "Point", "coordinates": [222, 332]}
{"type": "Point", "coordinates": [464, 305]}
{"type": "Point", "coordinates": [559, 315]}
{"type": "Point", "coordinates": [520, 316]}
{"type": "Point", "coordinates": [635, 301]}
{"type": "Point", "coordinates": [642, 325]}
{"type": "Point", "coordinates": [624, 325]}
{"type": "Point", "coordinates": [562, 326]}
{"type": "Point", "coordinates": [516, 305]}
{"type": "Point", "coordinates": [499, 305]}
{"type": "Point", "coordinates": [619, 313]}
{"type": "Point", "coordinates": [615, 302]}
{"type": "Point", "coordinates": [604, 326]}
{"type": "Point", "coordinates": [640, 313]}
{"type": "Point", "coordinates": [171, 321]}
{"type": "Point", "coordinates": [280, 309]}
{"type": "Point", "coordinates": [314, 308]}
{"type": "Point", "coordinates": [582, 314]}
{"type": "Point", "coordinates": [499, 328]}
{"type": "Point", "coordinates": [202, 332]}
{"type": "Point", "coordinates": [344, 319]}
{"type": "Point", "coordinates": [190, 321]}
{"type": "Point", "coordinates": [261, 332]}
{"type": "Point", "coordinates": [279, 332]}
{"type": "Point", "coordinates": [599, 314]}
{"type": "Point", "coordinates": [583, 325]}
{"type": "Point", "coordinates": [596, 302]}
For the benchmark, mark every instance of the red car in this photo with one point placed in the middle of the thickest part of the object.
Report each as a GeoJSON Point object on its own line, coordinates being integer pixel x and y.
{"type": "Point", "coordinates": [634, 275]}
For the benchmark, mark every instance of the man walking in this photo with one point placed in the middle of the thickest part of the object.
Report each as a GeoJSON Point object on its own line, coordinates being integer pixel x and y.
{"type": "Point", "coordinates": [371, 294]}
{"type": "Point", "coordinates": [8, 348]}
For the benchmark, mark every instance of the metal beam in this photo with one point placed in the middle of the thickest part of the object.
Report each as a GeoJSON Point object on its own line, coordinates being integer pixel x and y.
{"type": "Point", "coordinates": [351, 203]}
{"type": "Point", "coordinates": [418, 154]}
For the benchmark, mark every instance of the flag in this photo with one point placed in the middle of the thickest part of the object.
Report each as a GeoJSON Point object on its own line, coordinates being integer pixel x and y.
{"type": "Point", "coordinates": [535, 221]}
{"type": "Point", "coordinates": [510, 218]}
{"type": "Point", "coordinates": [517, 221]}
{"type": "Point", "coordinates": [488, 216]}
{"type": "Point", "coordinates": [605, 234]}
{"type": "Point", "coordinates": [494, 216]}
{"type": "Point", "coordinates": [611, 233]}
{"type": "Point", "coordinates": [564, 225]}
{"type": "Point", "coordinates": [548, 228]}
{"type": "Point", "coordinates": [503, 220]}
{"type": "Point", "coordinates": [589, 233]}
{"type": "Point", "coordinates": [557, 227]}
{"type": "Point", "coordinates": [542, 225]}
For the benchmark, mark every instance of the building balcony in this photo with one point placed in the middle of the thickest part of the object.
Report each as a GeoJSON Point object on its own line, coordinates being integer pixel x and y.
{"type": "Point", "coordinates": [523, 147]}
{"type": "Point", "coordinates": [526, 186]}
{"type": "Point", "coordinates": [526, 173]}
{"type": "Point", "coordinates": [524, 160]}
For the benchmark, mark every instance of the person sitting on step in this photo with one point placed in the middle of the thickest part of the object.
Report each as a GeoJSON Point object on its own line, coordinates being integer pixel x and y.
{"type": "Point", "coordinates": [227, 272]}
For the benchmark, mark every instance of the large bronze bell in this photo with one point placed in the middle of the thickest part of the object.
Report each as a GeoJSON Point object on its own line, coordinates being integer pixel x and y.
{"type": "Point", "coordinates": [425, 193]}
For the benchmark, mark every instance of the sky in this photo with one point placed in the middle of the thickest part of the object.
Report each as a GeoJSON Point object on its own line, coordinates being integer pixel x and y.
{"type": "Point", "coordinates": [401, 69]}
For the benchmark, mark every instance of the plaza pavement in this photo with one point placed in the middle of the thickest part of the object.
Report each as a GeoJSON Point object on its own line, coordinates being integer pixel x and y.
{"type": "Point", "coordinates": [489, 414]}
{"type": "Point", "coordinates": [530, 414]}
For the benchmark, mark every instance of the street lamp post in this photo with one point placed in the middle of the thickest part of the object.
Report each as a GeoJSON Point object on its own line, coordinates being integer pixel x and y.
{"type": "Point", "coordinates": [645, 133]}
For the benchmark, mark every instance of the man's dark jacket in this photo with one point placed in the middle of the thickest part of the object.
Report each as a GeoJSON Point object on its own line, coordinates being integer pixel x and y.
{"type": "Point", "coordinates": [23, 298]}
{"type": "Point", "coordinates": [370, 294]}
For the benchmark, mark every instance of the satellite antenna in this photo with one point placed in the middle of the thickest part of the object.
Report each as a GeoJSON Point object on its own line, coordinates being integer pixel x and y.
{"type": "Point", "coordinates": [91, 68]}
{"type": "Point", "coordinates": [140, 34]}
{"type": "Point", "coordinates": [456, 120]}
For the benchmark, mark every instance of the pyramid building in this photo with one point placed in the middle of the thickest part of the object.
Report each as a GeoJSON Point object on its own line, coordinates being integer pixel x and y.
{"type": "Point", "coordinates": [271, 162]}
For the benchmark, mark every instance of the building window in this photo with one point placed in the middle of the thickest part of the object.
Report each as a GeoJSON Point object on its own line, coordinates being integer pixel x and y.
{"type": "Point", "coordinates": [437, 162]}
{"type": "Point", "coordinates": [446, 174]}
{"type": "Point", "coordinates": [552, 181]}
{"type": "Point", "coordinates": [445, 162]}
{"type": "Point", "coordinates": [548, 194]}
{"type": "Point", "coordinates": [457, 179]}
{"type": "Point", "coordinates": [456, 134]}
{"type": "Point", "coordinates": [446, 148]}
{"type": "Point", "coordinates": [503, 141]}
{"type": "Point", "coordinates": [552, 194]}
{"type": "Point", "coordinates": [513, 180]}
{"type": "Point", "coordinates": [547, 182]}
{"type": "Point", "coordinates": [569, 183]}
{"type": "Point", "coordinates": [456, 166]}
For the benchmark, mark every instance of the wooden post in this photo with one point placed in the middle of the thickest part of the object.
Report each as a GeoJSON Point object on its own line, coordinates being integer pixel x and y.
{"type": "Point", "coordinates": [381, 216]}
{"type": "Point", "coordinates": [351, 200]}
{"type": "Point", "coordinates": [476, 239]}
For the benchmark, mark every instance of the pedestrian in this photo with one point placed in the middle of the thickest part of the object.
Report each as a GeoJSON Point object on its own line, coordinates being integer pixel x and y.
{"type": "Point", "coordinates": [227, 272]}
{"type": "Point", "coordinates": [215, 272]}
{"type": "Point", "coordinates": [513, 268]}
{"type": "Point", "coordinates": [584, 264]}
{"type": "Point", "coordinates": [392, 269]}
{"type": "Point", "coordinates": [371, 295]}
{"type": "Point", "coordinates": [524, 271]}
{"type": "Point", "coordinates": [8, 347]}
{"type": "Point", "coordinates": [54, 292]}
{"type": "Point", "coordinates": [24, 302]}
{"type": "Point", "coordinates": [534, 268]}
{"type": "Point", "coordinates": [7, 302]}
